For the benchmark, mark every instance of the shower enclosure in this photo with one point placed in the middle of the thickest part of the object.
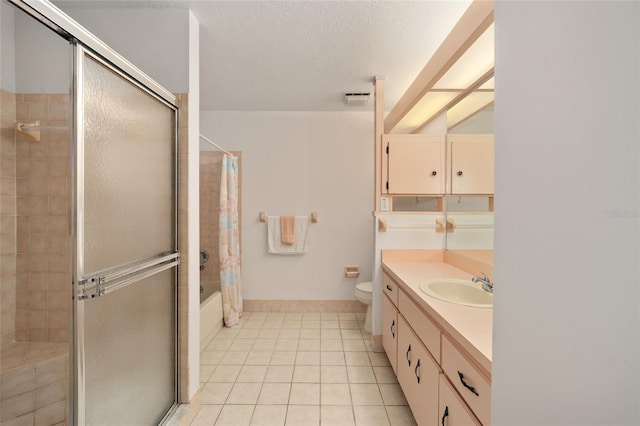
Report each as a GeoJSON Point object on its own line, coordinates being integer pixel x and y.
{"type": "Point", "coordinates": [88, 228]}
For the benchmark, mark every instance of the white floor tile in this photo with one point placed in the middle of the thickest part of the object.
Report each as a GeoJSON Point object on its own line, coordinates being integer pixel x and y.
{"type": "Point", "coordinates": [305, 394]}
{"type": "Point", "coordinates": [335, 394]}
{"type": "Point", "coordinates": [357, 358]}
{"type": "Point", "coordinates": [306, 369]}
{"type": "Point", "coordinates": [235, 415]}
{"type": "Point", "coordinates": [392, 394]}
{"type": "Point", "coordinates": [336, 416]}
{"type": "Point", "coordinates": [264, 344]}
{"type": "Point", "coordinates": [234, 358]}
{"type": "Point", "coordinates": [274, 393]}
{"type": "Point", "coordinates": [370, 416]}
{"type": "Point", "coordinates": [219, 344]}
{"type": "Point", "coordinates": [252, 374]}
{"type": "Point", "coordinates": [332, 358]}
{"type": "Point", "coordinates": [211, 357]}
{"type": "Point", "coordinates": [365, 394]}
{"type": "Point", "coordinates": [353, 345]}
{"type": "Point", "coordinates": [385, 375]}
{"type": "Point", "coordinates": [310, 333]}
{"type": "Point", "coordinates": [269, 415]}
{"type": "Point", "coordinates": [286, 345]}
{"type": "Point", "coordinates": [333, 374]}
{"type": "Point", "coordinates": [283, 358]}
{"type": "Point", "coordinates": [207, 415]}
{"type": "Point", "coordinates": [259, 358]}
{"type": "Point", "coordinates": [358, 374]}
{"type": "Point", "coordinates": [308, 358]}
{"type": "Point", "coordinates": [330, 333]}
{"type": "Point", "coordinates": [331, 345]}
{"type": "Point", "coordinates": [279, 374]}
{"type": "Point", "coordinates": [225, 374]}
{"type": "Point", "coordinates": [303, 415]}
{"type": "Point", "coordinates": [379, 359]}
{"type": "Point", "coordinates": [309, 345]}
{"type": "Point", "coordinates": [242, 345]}
{"type": "Point", "coordinates": [310, 324]}
{"type": "Point", "coordinates": [244, 393]}
{"type": "Point", "coordinates": [400, 415]}
{"type": "Point", "coordinates": [268, 333]}
{"type": "Point", "coordinates": [215, 393]}
{"type": "Point", "coordinates": [306, 374]}
{"type": "Point", "coordinates": [205, 372]}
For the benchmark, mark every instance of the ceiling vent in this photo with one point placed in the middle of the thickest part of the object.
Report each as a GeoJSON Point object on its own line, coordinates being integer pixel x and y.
{"type": "Point", "coordinates": [356, 99]}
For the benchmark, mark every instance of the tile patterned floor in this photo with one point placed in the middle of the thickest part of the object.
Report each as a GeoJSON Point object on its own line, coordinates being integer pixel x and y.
{"type": "Point", "coordinates": [298, 369]}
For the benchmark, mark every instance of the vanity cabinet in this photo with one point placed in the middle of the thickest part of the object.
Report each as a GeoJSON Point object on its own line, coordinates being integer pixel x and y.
{"type": "Point", "coordinates": [452, 411]}
{"type": "Point", "coordinates": [390, 331]}
{"type": "Point", "coordinates": [415, 164]}
{"type": "Point", "coordinates": [418, 375]}
{"type": "Point", "coordinates": [471, 164]}
{"type": "Point", "coordinates": [440, 382]}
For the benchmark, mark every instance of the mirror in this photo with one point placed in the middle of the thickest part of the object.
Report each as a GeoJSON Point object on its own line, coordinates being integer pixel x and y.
{"type": "Point", "coordinates": [470, 217]}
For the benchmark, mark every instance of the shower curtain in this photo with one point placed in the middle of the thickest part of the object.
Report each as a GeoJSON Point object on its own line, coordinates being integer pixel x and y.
{"type": "Point", "coordinates": [230, 277]}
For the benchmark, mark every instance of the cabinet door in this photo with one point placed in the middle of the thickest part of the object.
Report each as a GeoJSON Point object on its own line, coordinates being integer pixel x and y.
{"type": "Point", "coordinates": [390, 331]}
{"type": "Point", "coordinates": [418, 375]}
{"type": "Point", "coordinates": [415, 165]}
{"type": "Point", "coordinates": [452, 410]}
{"type": "Point", "coordinates": [472, 164]}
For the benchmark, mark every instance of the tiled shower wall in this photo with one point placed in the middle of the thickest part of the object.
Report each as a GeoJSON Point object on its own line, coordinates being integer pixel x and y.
{"type": "Point", "coordinates": [210, 165]}
{"type": "Point", "coordinates": [42, 206]}
{"type": "Point", "coordinates": [8, 231]}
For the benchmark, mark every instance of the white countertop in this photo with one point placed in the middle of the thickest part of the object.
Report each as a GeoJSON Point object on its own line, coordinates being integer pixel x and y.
{"type": "Point", "coordinates": [470, 327]}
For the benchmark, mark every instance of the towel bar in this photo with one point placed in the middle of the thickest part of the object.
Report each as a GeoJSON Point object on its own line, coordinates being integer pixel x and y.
{"type": "Point", "coordinates": [314, 217]}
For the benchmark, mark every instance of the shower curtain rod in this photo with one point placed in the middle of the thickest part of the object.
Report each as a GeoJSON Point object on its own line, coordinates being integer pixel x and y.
{"type": "Point", "coordinates": [209, 141]}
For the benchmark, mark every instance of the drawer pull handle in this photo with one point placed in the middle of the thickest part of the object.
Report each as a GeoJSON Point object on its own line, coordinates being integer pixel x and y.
{"type": "Point", "coordinates": [466, 385]}
{"type": "Point", "coordinates": [408, 355]}
{"type": "Point", "coordinates": [445, 414]}
{"type": "Point", "coordinates": [416, 371]}
{"type": "Point", "coordinates": [393, 326]}
{"type": "Point", "coordinates": [389, 287]}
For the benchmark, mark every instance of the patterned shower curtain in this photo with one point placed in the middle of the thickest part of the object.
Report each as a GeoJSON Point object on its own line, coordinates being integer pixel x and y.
{"type": "Point", "coordinates": [230, 277]}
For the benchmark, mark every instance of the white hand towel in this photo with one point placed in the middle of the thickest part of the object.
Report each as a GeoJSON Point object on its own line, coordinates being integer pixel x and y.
{"type": "Point", "coordinates": [274, 241]}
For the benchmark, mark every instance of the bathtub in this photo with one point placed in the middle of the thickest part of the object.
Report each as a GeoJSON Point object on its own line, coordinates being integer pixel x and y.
{"type": "Point", "coordinates": [210, 318]}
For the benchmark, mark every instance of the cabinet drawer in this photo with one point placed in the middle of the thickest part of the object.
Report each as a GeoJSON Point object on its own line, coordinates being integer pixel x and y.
{"type": "Point", "coordinates": [468, 381]}
{"type": "Point", "coordinates": [390, 331]}
{"type": "Point", "coordinates": [390, 288]}
{"type": "Point", "coordinates": [451, 408]}
{"type": "Point", "coordinates": [421, 324]}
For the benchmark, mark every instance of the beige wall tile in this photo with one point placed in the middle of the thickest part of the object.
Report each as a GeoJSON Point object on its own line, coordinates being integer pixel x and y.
{"type": "Point", "coordinates": [17, 405]}
{"type": "Point", "coordinates": [17, 382]}
{"type": "Point", "coordinates": [49, 394]}
{"type": "Point", "coordinates": [51, 414]}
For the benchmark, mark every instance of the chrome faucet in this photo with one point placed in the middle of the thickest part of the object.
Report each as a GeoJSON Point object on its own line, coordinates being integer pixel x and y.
{"type": "Point", "coordinates": [487, 285]}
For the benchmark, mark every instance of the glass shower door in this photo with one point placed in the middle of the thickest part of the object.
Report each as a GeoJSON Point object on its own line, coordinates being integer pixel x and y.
{"type": "Point", "coordinates": [126, 250]}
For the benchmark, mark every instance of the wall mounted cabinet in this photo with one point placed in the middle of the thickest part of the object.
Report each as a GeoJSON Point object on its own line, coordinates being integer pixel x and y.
{"type": "Point", "coordinates": [471, 164]}
{"type": "Point", "coordinates": [415, 164]}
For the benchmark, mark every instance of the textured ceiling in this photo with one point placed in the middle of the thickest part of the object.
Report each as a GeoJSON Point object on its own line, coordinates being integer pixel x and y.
{"type": "Point", "coordinates": [304, 55]}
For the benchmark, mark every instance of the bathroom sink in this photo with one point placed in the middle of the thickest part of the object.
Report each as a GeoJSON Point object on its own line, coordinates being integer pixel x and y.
{"type": "Point", "coordinates": [460, 292]}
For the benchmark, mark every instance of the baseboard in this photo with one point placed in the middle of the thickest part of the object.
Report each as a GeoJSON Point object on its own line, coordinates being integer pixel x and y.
{"type": "Point", "coordinates": [376, 343]}
{"type": "Point", "coordinates": [309, 306]}
{"type": "Point", "coordinates": [192, 410]}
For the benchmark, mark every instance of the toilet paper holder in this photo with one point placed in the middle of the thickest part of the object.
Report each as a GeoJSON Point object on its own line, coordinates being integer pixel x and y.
{"type": "Point", "coordinates": [352, 271]}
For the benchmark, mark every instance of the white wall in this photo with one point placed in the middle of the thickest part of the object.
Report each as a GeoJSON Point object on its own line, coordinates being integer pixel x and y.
{"type": "Point", "coordinates": [7, 47]}
{"type": "Point", "coordinates": [154, 40]}
{"type": "Point", "coordinates": [566, 347]}
{"type": "Point", "coordinates": [295, 163]}
{"type": "Point", "coordinates": [194, 204]}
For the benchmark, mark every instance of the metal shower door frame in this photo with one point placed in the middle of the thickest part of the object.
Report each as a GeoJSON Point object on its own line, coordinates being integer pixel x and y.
{"type": "Point", "coordinates": [86, 287]}
{"type": "Point", "coordinates": [84, 42]}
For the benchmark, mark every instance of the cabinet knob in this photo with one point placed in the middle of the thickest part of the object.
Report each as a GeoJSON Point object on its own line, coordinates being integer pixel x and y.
{"type": "Point", "coordinates": [459, 172]}
{"type": "Point", "coordinates": [434, 173]}
{"type": "Point", "coordinates": [445, 414]}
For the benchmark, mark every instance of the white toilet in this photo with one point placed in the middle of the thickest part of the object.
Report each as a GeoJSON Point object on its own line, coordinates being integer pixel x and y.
{"type": "Point", "coordinates": [363, 294]}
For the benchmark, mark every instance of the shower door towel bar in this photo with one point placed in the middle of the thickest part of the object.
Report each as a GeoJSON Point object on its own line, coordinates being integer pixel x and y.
{"type": "Point", "coordinates": [313, 216]}
{"type": "Point", "coordinates": [113, 279]}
